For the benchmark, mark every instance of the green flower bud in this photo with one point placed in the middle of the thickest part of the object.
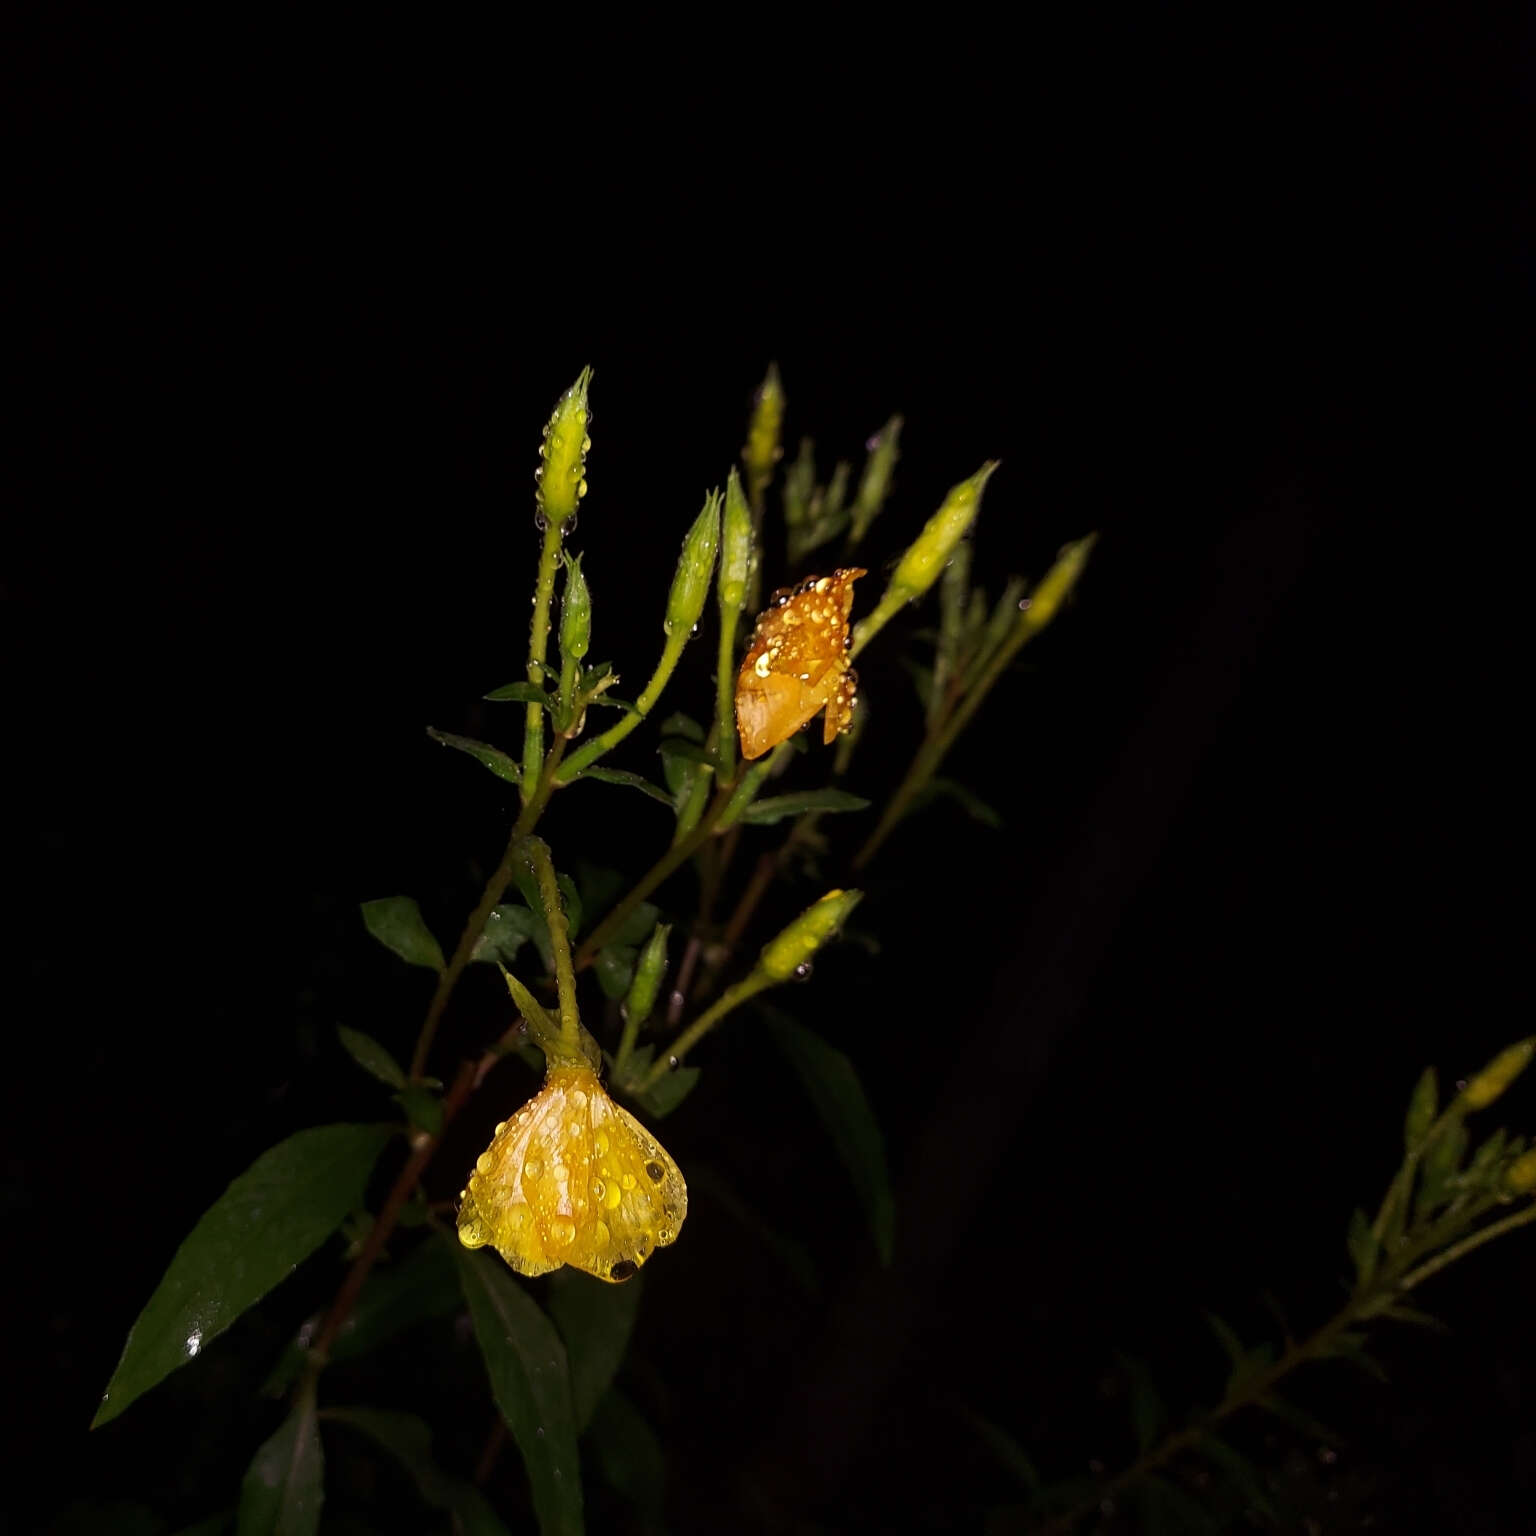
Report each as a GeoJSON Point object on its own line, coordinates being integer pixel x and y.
{"type": "Point", "coordinates": [929, 553]}
{"type": "Point", "coordinates": [575, 612]}
{"type": "Point", "coordinates": [1498, 1074]}
{"type": "Point", "coordinates": [763, 433]}
{"type": "Point", "coordinates": [695, 566]}
{"type": "Point", "coordinates": [649, 969]}
{"type": "Point", "coordinates": [735, 548]}
{"type": "Point", "coordinates": [1052, 590]}
{"type": "Point", "coordinates": [876, 482]}
{"type": "Point", "coordinates": [1520, 1176]}
{"type": "Point", "coordinates": [561, 474]}
{"type": "Point", "coordinates": [783, 957]}
{"type": "Point", "coordinates": [1422, 1108]}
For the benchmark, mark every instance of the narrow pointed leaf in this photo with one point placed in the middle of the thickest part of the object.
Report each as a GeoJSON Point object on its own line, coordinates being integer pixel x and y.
{"type": "Point", "coordinates": [1148, 1415]}
{"type": "Point", "coordinates": [507, 929]}
{"type": "Point", "coordinates": [1008, 1452]}
{"type": "Point", "coordinates": [518, 693]}
{"type": "Point", "coordinates": [686, 751]}
{"type": "Point", "coordinates": [267, 1222]}
{"type": "Point", "coordinates": [396, 922]}
{"type": "Point", "coordinates": [1240, 1472]}
{"type": "Point", "coordinates": [371, 1056]}
{"type": "Point", "coordinates": [1363, 1247]}
{"type": "Point", "coordinates": [1236, 1352]}
{"type": "Point", "coordinates": [482, 752]}
{"type": "Point", "coordinates": [284, 1485]}
{"type": "Point", "coordinates": [530, 1380]}
{"type": "Point", "coordinates": [765, 812]}
{"type": "Point", "coordinates": [628, 1453]}
{"type": "Point", "coordinates": [972, 804]}
{"type": "Point", "coordinates": [595, 1320]}
{"type": "Point", "coordinates": [633, 780]}
{"type": "Point", "coordinates": [1299, 1420]}
{"type": "Point", "coordinates": [666, 1093]}
{"type": "Point", "coordinates": [834, 1088]}
{"type": "Point", "coordinates": [638, 926]}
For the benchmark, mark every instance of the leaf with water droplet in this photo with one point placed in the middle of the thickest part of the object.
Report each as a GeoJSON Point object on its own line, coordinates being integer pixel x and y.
{"type": "Point", "coordinates": [396, 922]}
{"type": "Point", "coordinates": [595, 1320]}
{"type": "Point", "coordinates": [507, 929]}
{"type": "Point", "coordinates": [482, 752]}
{"type": "Point", "coordinates": [833, 1086]}
{"type": "Point", "coordinates": [765, 812]}
{"type": "Point", "coordinates": [284, 1486]}
{"type": "Point", "coordinates": [371, 1056]}
{"type": "Point", "coordinates": [267, 1222]}
{"type": "Point", "coordinates": [530, 1380]}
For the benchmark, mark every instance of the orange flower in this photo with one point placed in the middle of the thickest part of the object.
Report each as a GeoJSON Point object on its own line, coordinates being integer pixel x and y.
{"type": "Point", "coordinates": [797, 664]}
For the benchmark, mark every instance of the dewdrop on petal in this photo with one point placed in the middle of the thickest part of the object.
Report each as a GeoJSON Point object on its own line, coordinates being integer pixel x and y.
{"type": "Point", "coordinates": [573, 1178]}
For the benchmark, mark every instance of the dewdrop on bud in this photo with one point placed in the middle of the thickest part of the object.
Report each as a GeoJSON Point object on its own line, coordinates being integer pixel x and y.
{"type": "Point", "coordinates": [695, 567]}
{"type": "Point", "coordinates": [561, 474]}
{"type": "Point", "coordinates": [929, 553]}
{"type": "Point", "coordinates": [783, 956]}
{"type": "Point", "coordinates": [575, 612]}
{"type": "Point", "coordinates": [1057, 582]}
{"type": "Point", "coordinates": [735, 548]}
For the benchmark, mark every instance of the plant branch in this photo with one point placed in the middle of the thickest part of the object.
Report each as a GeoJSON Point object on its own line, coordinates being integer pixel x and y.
{"type": "Point", "coordinates": [732, 997]}
{"type": "Point", "coordinates": [590, 751]}
{"type": "Point", "coordinates": [537, 852]}
{"type": "Point", "coordinates": [538, 647]}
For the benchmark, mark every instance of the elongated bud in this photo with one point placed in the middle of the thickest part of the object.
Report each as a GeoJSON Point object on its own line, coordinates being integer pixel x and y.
{"type": "Point", "coordinates": [575, 611]}
{"type": "Point", "coordinates": [875, 484]}
{"type": "Point", "coordinates": [1520, 1176]}
{"type": "Point", "coordinates": [649, 969]}
{"type": "Point", "coordinates": [783, 957]}
{"type": "Point", "coordinates": [800, 484]}
{"type": "Point", "coordinates": [735, 548]}
{"type": "Point", "coordinates": [1422, 1109]}
{"type": "Point", "coordinates": [764, 432]}
{"type": "Point", "coordinates": [929, 552]}
{"type": "Point", "coordinates": [1498, 1074]}
{"type": "Point", "coordinates": [563, 458]}
{"type": "Point", "coordinates": [695, 567]}
{"type": "Point", "coordinates": [1041, 605]}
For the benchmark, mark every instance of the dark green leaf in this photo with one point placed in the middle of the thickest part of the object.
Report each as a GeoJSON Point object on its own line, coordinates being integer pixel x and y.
{"type": "Point", "coordinates": [838, 1095]}
{"type": "Point", "coordinates": [1148, 1415]}
{"type": "Point", "coordinates": [371, 1056]}
{"type": "Point", "coordinates": [637, 927]}
{"type": "Point", "coordinates": [214, 1525]}
{"type": "Point", "coordinates": [531, 1383]}
{"type": "Point", "coordinates": [284, 1486]}
{"type": "Point", "coordinates": [1423, 1105]}
{"type": "Point", "coordinates": [507, 929]}
{"type": "Point", "coordinates": [595, 1319]}
{"type": "Point", "coordinates": [762, 813]}
{"type": "Point", "coordinates": [483, 753]}
{"type": "Point", "coordinates": [628, 1453]}
{"type": "Point", "coordinates": [682, 725]}
{"type": "Point", "coordinates": [668, 1091]}
{"type": "Point", "coordinates": [686, 751]}
{"type": "Point", "coordinates": [1167, 1507]}
{"type": "Point", "coordinates": [396, 922]}
{"type": "Point", "coordinates": [423, 1285]}
{"type": "Point", "coordinates": [472, 1511]}
{"type": "Point", "coordinates": [1403, 1314]}
{"type": "Point", "coordinates": [1236, 1351]}
{"type": "Point", "coordinates": [972, 804]}
{"type": "Point", "coordinates": [613, 701]}
{"type": "Point", "coordinates": [1363, 1247]}
{"type": "Point", "coordinates": [1439, 1167]}
{"type": "Point", "coordinates": [518, 693]}
{"type": "Point", "coordinates": [1240, 1472]}
{"type": "Point", "coordinates": [633, 780]}
{"type": "Point", "coordinates": [1303, 1423]}
{"type": "Point", "coordinates": [600, 886]}
{"type": "Point", "coordinates": [268, 1221]}
{"type": "Point", "coordinates": [1351, 1346]}
{"type": "Point", "coordinates": [1008, 1452]}
{"type": "Point", "coordinates": [615, 967]}
{"type": "Point", "coordinates": [422, 1107]}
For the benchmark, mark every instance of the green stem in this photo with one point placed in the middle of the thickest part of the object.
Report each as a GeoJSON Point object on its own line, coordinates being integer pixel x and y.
{"type": "Point", "coordinates": [538, 647]}
{"type": "Point", "coordinates": [588, 754]}
{"type": "Point", "coordinates": [725, 697]}
{"type": "Point", "coordinates": [537, 852]}
{"type": "Point", "coordinates": [732, 997]}
{"type": "Point", "coordinates": [567, 721]}
{"type": "Point", "coordinates": [1467, 1244]}
{"type": "Point", "coordinates": [1395, 1201]}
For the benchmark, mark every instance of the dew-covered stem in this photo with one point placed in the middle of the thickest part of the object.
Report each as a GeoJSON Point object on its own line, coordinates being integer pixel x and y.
{"type": "Point", "coordinates": [590, 751]}
{"type": "Point", "coordinates": [538, 649]}
{"type": "Point", "coordinates": [536, 850]}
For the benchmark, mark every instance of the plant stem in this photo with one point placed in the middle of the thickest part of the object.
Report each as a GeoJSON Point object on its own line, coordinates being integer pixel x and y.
{"type": "Point", "coordinates": [538, 646]}
{"type": "Point", "coordinates": [732, 997]}
{"type": "Point", "coordinates": [1467, 1244]}
{"type": "Point", "coordinates": [725, 698]}
{"type": "Point", "coordinates": [589, 753]}
{"type": "Point", "coordinates": [495, 889]}
{"type": "Point", "coordinates": [560, 942]}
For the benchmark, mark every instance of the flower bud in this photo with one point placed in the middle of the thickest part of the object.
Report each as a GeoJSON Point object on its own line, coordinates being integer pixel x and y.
{"type": "Point", "coordinates": [763, 432]}
{"type": "Point", "coordinates": [695, 566]}
{"type": "Point", "coordinates": [1422, 1108]}
{"type": "Point", "coordinates": [929, 552]}
{"type": "Point", "coordinates": [649, 969]}
{"type": "Point", "coordinates": [782, 957]}
{"type": "Point", "coordinates": [561, 474]}
{"type": "Point", "coordinates": [735, 548]}
{"type": "Point", "coordinates": [1520, 1176]}
{"type": "Point", "coordinates": [575, 611]}
{"type": "Point", "coordinates": [1498, 1074]}
{"type": "Point", "coordinates": [1057, 582]}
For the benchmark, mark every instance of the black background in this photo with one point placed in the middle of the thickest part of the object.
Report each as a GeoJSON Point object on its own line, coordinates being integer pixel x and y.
{"type": "Point", "coordinates": [288, 313]}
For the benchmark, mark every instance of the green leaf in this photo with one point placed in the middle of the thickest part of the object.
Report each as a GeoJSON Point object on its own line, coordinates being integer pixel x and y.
{"type": "Point", "coordinates": [835, 1090]}
{"type": "Point", "coordinates": [1423, 1105]}
{"type": "Point", "coordinates": [531, 1383]}
{"type": "Point", "coordinates": [215, 1525]}
{"type": "Point", "coordinates": [633, 780]}
{"type": "Point", "coordinates": [284, 1486]}
{"type": "Point", "coordinates": [1303, 1423]}
{"type": "Point", "coordinates": [682, 725]}
{"type": "Point", "coordinates": [570, 900]}
{"type": "Point", "coordinates": [613, 701]}
{"type": "Point", "coordinates": [972, 804]}
{"type": "Point", "coordinates": [686, 751]}
{"type": "Point", "coordinates": [266, 1223]}
{"type": "Point", "coordinates": [637, 927]}
{"type": "Point", "coordinates": [518, 693]}
{"type": "Point", "coordinates": [1351, 1346]}
{"type": "Point", "coordinates": [1403, 1314]}
{"type": "Point", "coordinates": [1240, 1472]}
{"type": "Point", "coordinates": [1008, 1452]}
{"type": "Point", "coordinates": [615, 967]}
{"type": "Point", "coordinates": [1237, 1352]}
{"type": "Point", "coordinates": [628, 1453]}
{"type": "Point", "coordinates": [1363, 1247]}
{"type": "Point", "coordinates": [1149, 1417]}
{"type": "Point", "coordinates": [762, 813]}
{"type": "Point", "coordinates": [371, 1056]}
{"type": "Point", "coordinates": [396, 922]}
{"type": "Point", "coordinates": [668, 1091]}
{"type": "Point", "coordinates": [483, 753]}
{"type": "Point", "coordinates": [507, 929]}
{"type": "Point", "coordinates": [422, 1107]}
{"type": "Point", "coordinates": [423, 1285]}
{"type": "Point", "coordinates": [1437, 1171]}
{"type": "Point", "coordinates": [595, 1319]}
{"type": "Point", "coordinates": [600, 886]}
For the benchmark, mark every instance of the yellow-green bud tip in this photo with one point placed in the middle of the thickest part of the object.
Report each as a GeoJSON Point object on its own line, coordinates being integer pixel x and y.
{"type": "Point", "coordinates": [695, 567]}
{"type": "Point", "coordinates": [762, 450]}
{"type": "Point", "coordinates": [561, 474]}
{"type": "Point", "coordinates": [930, 552]}
{"type": "Point", "coordinates": [735, 547]}
{"type": "Point", "coordinates": [1520, 1177]}
{"type": "Point", "coordinates": [784, 956]}
{"type": "Point", "coordinates": [1498, 1074]}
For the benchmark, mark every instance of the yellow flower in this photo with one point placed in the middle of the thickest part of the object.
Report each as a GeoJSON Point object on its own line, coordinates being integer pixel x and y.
{"type": "Point", "coordinates": [573, 1178]}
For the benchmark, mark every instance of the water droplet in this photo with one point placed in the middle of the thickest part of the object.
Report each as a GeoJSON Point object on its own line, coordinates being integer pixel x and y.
{"type": "Point", "coordinates": [611, 1197]}
{"type": "Point", "coordinates": [803, 971]}
{"type": "Point", "coordinates": [581, 490]}
{"type": "Point", "coordinates": [578, 1099]}
{"type": "Point", "coordinates": [558, 441]}
{"type": "Point", "coordinates": [501, 1126]}
{"type": "Point", "coordinates": [532, 1168]}
{"type": "Point", "coordinates": [663, 1236]}
{"type": "Point", "coordinates": [541, 523]}
{"type": "Point", "coordinates": [540, 1431]}
{"type": "Point", "coordinates": [599, 1189]}
{"type": "Point", "coordinates": [575, 472]}
{"type": "Point", "coordinates": [560, 1173]}
{"type": "Point", "coordinates": [581, 413]}
{"type": "Point", "coordinates": [483, 1163]}
{"type": "Point", "coordinates": [562, 1231]}
{"type": "Point", "coordinates": [673, 1062]}
{"type": "Point", "coordinates": [194, 1342]}
{"type": "Point", "coordinates": [655, 1172]}
{"type": "Point", "coordinates": [538, 474]}
{"type": "Point", "coordinates": [586, 442]}
{"type": "Point", "coordinates": [627, 1181]}
{"type": "Point", "coordinates": [601, 1142]}
{"type": "Point", "coordinates": [623, 1270]}
{"type": "Point", "coordinates": [1024, 603]}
